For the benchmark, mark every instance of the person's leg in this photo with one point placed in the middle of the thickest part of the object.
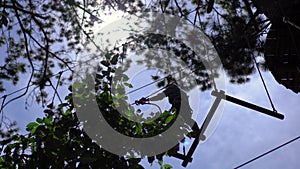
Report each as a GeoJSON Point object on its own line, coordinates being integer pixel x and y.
{"type": "Point", "coordinates": [187, 116]}
{"type": "Point", "coordinates": [195, 127]}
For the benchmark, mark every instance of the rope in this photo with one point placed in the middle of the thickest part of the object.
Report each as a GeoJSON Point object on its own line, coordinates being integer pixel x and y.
{"type": "Point", "coordinates": [1, 109]}
{"type": "Point", "coordinates": [213, 81]}
{"type": "Point", "coordinates": [260, 75]}
{"type": "Point", "coordinates": [264, 83]}
{"type": "Point", "coordinates": [212, 75]}
{"type": "Point", "coordinates": [288, 22]}
{"type": "Point", "coordinates": [268, 152]}
{"type": "Point", "coordinates": [153, 104]}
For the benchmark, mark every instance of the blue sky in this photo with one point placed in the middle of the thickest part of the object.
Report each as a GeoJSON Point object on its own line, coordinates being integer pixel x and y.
{"type": "Point", "coordinates": [244, 134]}
{"type": "Point", "coordinates": [241, 135]}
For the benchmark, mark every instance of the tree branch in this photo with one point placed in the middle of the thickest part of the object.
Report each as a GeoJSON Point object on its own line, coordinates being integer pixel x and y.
{"type": "Point", "coordinates": [46, 49]}
{"type": "Point", "coordinates": [86, 34]}
{"type": "Point", "coordinates": [40, 45]}
{"type": "Point", "coordinates": [14, 7]}
{"type": "Point", "coordinates": [28, 57]}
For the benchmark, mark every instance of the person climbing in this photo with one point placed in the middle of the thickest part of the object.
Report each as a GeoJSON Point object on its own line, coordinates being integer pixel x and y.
{"type": "Point", "coordinates": [179, 101]}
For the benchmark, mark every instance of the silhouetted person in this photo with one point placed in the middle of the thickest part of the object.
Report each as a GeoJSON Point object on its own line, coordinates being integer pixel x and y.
{"type": "Point", "coordinates": [179, 101]}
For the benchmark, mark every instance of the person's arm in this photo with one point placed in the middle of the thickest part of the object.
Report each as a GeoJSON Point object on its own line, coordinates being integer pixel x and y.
{"type": "Point", "coordinates": [159, 96]}
{"type": "Point", "coordinates": [144, 100]}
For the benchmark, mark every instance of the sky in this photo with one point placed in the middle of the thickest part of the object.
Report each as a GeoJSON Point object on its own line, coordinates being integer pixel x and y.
{"type": "Point", "coordinates": [241, 135]}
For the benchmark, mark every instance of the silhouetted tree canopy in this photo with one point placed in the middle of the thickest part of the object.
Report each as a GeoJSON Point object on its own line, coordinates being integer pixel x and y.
{"type": "Point", "coordinates": [39, 43]}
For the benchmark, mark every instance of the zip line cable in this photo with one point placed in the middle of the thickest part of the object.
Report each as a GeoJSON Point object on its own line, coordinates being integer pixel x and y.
{"type": "Point", "coordinates": [160, 79]}
{"type": "Point", "coordinates": [139, 88]}
{"type": "Point", "coordinates": [268, 152]}
{"type": "Point", "coordinates": [4, 104]}
{"type": "Point", "coordinates": [211, 77]}
{"type": "Point", "coordinates": [156, 92]}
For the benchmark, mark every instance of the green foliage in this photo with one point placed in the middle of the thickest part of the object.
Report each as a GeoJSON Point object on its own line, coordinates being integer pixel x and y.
{"type": "Point", "coordinates": [167, 166]}
{"type": "Point", "coordinates": [58, 141]}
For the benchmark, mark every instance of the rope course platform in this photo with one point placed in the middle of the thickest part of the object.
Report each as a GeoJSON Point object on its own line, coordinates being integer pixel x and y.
{"type": "Point", "coordinates": [282, 56]}
{"type": "Point", "coordinates": [282, 47]}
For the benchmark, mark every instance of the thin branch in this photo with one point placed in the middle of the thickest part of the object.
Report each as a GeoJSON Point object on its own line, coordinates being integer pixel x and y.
{"type": "Point", "coordinates": [83, 15]}
{"type": "Point", "coordinates": [110, 4]}
{"type": "Point", "coordinates": [85, 33]}
{"type": "Point", "coordinates": [179, 8]}
{"type": "Point", "coordinates": [23, 10]}
{"type": "Point", "coordinates": [55, 89]}
{"type": "Point", "coordinates": [195, 17]}
{"type": "Point", "coordinates": [82, 8]}
{"type": "Point", "coordinates": [40, 45]}
{"type": "Point", "coordinates": [218, 13]}
{"type": "Point", "coordinates": [182, 14]}
{"type": "Point", "coordinates": [46, 48]}
{"type": "Point", "coordinates": [248, 8]}
{"type": "Point", "coordinates": [161, 6]}
{"type": "Point", "coordinates": [28, 57]}
{"type": "Point", "coordinates": [1, 109]}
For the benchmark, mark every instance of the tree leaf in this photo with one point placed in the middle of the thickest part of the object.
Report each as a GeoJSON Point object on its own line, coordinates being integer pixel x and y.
{"type": "Point", "coordinates": [47, 121]}
{"type": "Point", "coordinates": [32, 125]}
{"type": "Point", "coordinates": [4, 21]}
{"type": "Point", "coordinates": [114, 60]}
{"type": "Point", "coordinates": [167, 166]}
{"type": "Point", "coordinates": [150, 159]}
{"type": "Point", "coordinates": [169, 119]}
{"type": "Point", "coordinates": [128, 85]}
{"type": "Point", "coordinates": [105, 63]}
{"type": "Point", "coordinates": [107, 56]}
{"type": "Point", "coordinates": [39, 120]}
